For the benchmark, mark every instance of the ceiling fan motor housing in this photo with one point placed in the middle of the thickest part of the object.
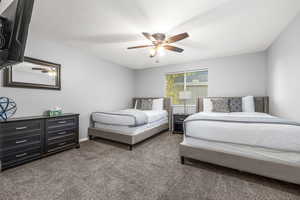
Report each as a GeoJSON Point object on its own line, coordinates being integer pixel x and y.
{"type": "Point", "coordinates": [159, 36]}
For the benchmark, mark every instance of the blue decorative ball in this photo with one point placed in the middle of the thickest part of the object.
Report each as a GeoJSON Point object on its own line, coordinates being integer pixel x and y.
{"type": "Point", "coordinates": [7, 108]}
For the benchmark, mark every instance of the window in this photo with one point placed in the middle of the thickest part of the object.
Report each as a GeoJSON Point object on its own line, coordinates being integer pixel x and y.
{"type": "Point", "coordinates": [195, 81]}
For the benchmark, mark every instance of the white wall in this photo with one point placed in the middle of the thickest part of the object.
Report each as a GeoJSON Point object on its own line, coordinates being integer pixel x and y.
{"type": "Point", "coordinates": [229, 76]}
{"type": "Point", "coordinates": [88, 84]}
{"type": "Point", "coordinates": [284, 73]}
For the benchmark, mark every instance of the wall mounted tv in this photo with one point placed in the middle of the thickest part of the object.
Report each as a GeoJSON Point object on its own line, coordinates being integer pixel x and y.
{"type": "Point", "coordinates": [14, 25]}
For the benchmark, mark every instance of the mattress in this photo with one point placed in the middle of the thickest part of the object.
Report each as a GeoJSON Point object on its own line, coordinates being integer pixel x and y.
{"type": "Point", "coordinates": [273, 136]}
{"type": "Point", "coordinates": [125, 120]}
{"type": "Point", "coordinates": [245, 151]}
{"type": "Point", "coordinates": [127, 130]}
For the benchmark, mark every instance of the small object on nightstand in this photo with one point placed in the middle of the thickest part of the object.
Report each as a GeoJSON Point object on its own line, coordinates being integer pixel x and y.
{"type": "Point", "coordinates": [178, 122]}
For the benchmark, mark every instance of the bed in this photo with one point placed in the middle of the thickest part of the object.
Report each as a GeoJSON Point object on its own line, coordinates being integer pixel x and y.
{"type": "Point", "coordinates": [118, 127]}
{"type": "Point", "coordinates": [270, 147]}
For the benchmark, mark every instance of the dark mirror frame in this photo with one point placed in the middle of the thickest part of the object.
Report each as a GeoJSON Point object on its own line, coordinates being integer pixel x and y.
{"type": "Point", "coordinates": [8, 79]}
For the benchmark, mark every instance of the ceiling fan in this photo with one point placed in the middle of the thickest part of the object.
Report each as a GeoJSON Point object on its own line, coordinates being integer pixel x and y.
{"type": "Point", "coordinates": [50, 72]}
{"type": "Point", "coordinates": [159, 42]}
{"type": "Point", "coordinates": [43, 70]}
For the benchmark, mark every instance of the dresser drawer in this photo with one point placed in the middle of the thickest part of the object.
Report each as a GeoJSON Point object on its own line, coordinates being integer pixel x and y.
{"type": "Point", "coordinates": [21, 141]}
{"type": "Point", "coordinates": [57, 145]}
{"type": "Point", "coordinates": [11, 157]}
{"type": "Point", "coordinates": [60, 134]}
{"type": "Point", "coordinates": [14, 129]}
{"type": "Point", "coordinates": [17, 135]}
{"type": "Point", "coordinates": [59, 123]}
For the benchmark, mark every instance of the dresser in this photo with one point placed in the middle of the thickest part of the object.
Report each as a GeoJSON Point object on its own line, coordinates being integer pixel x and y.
{"type": "Point", "coordinates": [25, 139]}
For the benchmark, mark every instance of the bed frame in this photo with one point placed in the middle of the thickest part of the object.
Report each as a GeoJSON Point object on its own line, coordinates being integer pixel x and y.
{"type": "Point", "coordinates": [132, 140]}
{"type": "Point", "coordinates": [280, 170]}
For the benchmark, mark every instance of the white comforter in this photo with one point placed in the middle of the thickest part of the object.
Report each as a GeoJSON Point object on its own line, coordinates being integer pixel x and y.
{"type": "Point", "coordinates": [125, 120]}
{"type": "Point", "coordinates": [274, 136]}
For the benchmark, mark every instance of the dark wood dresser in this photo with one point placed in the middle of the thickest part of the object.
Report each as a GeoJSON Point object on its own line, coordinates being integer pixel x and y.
{"type": "Point", "coordinates": [29, 138]}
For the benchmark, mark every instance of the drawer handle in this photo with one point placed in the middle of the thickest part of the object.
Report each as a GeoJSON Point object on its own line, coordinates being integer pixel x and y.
{"type": "Point", "coordinates": [21, 155]}
{"type": "Point", "coordinates": [21, 128]}
{"type": "Point", "coordinates": [62, 133]}
{"type": "Point", "coordinates": [61, 144]}
{"type": "Point", "coordinates": [62, 122]}
{"type": "Point", "coordinates": [21, 141]}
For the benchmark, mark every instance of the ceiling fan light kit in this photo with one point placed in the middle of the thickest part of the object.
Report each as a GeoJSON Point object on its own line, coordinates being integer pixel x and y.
{"type": "Point", "coordinates": [160, 43]}
{"type": "Point", "coordinates": [152, 52]}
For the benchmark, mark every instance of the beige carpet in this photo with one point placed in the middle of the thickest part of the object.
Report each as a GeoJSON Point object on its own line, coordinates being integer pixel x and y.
{"type": "Point", "coordinates": [101, 170]}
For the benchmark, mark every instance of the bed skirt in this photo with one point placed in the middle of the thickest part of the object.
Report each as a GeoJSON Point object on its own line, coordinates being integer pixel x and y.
{"type": "Point", "coordinates": [126, 139]}
{"type": "Point", "coordinates": [288, 172]}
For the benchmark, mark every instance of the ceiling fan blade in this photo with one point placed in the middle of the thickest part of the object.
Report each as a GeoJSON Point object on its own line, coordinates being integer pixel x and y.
{"type": "Point", "coordinates": [148, 36]}
{"type": "Point", "coordinates": [142, 46]}
{"type": "Point", "coordinates": [177, 37]}
{"type": "Point", "coordinates": [172, 48]}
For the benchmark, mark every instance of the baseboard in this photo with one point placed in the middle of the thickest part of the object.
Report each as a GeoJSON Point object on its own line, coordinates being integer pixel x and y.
{"type": "Point", "coordinates": [83, 139]}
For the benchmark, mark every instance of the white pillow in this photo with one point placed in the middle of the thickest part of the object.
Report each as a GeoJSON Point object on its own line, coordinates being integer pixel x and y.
{"type": "Point", "coordinates": [248, 104]}
{"type": "Point", "coordinates": [158, 104]}
{"type": "Point", "coordinates": [207, 105]}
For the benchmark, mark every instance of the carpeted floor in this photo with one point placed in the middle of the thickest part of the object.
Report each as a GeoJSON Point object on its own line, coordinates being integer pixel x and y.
{"type": "Point", "coordinates": [152, 171]}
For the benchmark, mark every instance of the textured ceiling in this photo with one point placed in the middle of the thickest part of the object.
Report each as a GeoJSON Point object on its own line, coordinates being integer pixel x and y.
{"type": "Point", "coordinates": [216, 27]}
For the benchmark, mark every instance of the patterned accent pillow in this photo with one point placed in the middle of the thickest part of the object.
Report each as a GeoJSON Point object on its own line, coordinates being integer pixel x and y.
{"type": "Point", "coordinates": [235, 104]}
{"type": "Point", "coordinates": [146, 104]}
{"type": "Point", "coordinates": [220, 105]}
{"type": "Point", "coordinates": [207, 105]}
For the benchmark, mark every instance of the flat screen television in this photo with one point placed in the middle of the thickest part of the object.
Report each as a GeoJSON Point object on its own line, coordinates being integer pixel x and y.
{"type": "Point", "coordinates": [14, 25]}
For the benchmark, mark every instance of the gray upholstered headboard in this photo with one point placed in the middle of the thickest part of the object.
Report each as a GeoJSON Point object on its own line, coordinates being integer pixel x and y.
{"type": "Point", "coordinates": [167, 104]}
{"type": "Point", "coordinates": [261, 103]}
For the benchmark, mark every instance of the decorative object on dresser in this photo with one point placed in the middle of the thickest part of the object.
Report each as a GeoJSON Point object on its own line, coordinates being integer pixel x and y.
{"type": "Point", "coordinates": [33, 73]}
{"type": "Point", "coordinates": [29, 138]}
{"type": "Point", "coordinates": [54, 112]}
{"type": "Point", "coordinates": [7, 108]}
{"type": "Point", "coordinates": [178, 122]}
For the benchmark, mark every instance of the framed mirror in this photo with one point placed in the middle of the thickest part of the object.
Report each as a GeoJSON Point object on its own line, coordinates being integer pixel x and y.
{"type": "Point", "coordinates": [33, 73]}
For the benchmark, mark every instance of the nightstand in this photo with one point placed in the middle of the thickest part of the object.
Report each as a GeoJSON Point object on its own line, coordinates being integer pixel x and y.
{"type": "Point", "coordinates": [178, 122]}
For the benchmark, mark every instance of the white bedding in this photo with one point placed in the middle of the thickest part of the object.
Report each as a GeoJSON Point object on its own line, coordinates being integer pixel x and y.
{"type": "Point", "coordinates": [155, 115]}
{"type": "Point", "coordinates": [272, 136]}
{"type": "Point", "coordinates": [123, 120]}
{"type": "Point", "coordinates": [127, 130]}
